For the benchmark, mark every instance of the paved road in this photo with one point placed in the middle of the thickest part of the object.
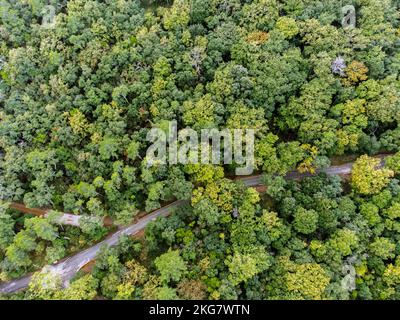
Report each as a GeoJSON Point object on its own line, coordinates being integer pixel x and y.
{"type": "Point", "coordinates": [73, 220]}
{"type": "Point", "coordinates": [70, 266]}
{"type": "Point", "coordinates": [344, 169]}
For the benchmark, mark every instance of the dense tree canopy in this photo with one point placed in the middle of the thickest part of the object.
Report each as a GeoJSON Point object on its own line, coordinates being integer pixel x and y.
{"type": "Point", "coordinates": [82, 82]}
{"type": "Point", "coordinates": [295, 244]}
{"type": "Point", "coordinates": [78, 98]}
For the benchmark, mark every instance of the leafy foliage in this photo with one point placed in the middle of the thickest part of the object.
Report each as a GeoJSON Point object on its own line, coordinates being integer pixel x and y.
{"type": "Point", "coordinates": [76, 103]}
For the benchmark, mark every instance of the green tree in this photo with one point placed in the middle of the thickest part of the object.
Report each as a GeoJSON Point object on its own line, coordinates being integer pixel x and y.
{"type": "Point", "coordinates": [84, 288]}
{"type": "Point", "coordinates": [244, 266]}
{"type": "Point", "coordinates": [6, 227]}
{"type": "Point", "coordinates": [171, 266]}
{"type": "Point", "coordinates": [306, 281]}
{"type": "Point", "coordinates": [393, 163]}
{"type": "Point", "coordinates": [305, 221]}
{"type": "Point", "coordinates": [366, 178]}
{"type": "Point", "coordinates": [383, 248]}
{"type": "Point", "coordinates": [44, 285]}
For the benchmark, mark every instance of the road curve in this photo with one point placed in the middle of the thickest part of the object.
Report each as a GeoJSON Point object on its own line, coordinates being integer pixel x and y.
{"type": "Point", "coordinates": [70, 266]}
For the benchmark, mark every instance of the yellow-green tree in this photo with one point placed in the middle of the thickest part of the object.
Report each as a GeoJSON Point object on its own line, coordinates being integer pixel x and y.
{"type": "Point", "coordinates": [367, 178]}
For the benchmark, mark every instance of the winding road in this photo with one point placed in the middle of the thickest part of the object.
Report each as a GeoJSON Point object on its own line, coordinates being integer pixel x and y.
{"type": "Point", "coordinates": [68, 267]}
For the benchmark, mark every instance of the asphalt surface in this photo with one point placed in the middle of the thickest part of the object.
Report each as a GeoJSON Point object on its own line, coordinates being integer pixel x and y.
{"type": "Point", "coordinates": [68, 267]}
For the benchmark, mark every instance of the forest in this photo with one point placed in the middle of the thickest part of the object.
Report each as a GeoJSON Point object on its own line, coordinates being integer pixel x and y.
{"type": "Point", "coordinates": [82, 82]}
